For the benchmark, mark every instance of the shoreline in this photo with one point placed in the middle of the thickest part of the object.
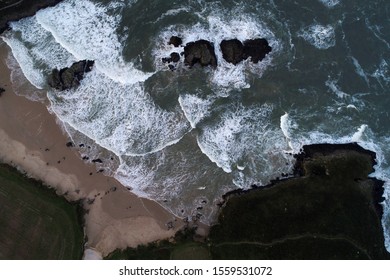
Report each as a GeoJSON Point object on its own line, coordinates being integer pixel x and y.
{"type": "Point", "coordinates": [32, 140]}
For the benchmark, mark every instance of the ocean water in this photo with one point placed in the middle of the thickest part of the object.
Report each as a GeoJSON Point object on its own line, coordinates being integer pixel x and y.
{"type": "Point", "coordinates": [185, 137]}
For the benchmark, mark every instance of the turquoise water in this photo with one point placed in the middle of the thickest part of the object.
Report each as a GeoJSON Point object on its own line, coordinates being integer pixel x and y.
{"type": "Point", "coordinates": [185, 137]}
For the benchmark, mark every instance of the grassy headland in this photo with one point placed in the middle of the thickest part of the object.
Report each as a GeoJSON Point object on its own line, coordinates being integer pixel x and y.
{"type": "Point", "coordinates": [35, 223]}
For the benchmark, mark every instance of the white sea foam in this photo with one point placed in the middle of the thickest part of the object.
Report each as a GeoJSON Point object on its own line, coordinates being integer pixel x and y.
{"type": "Point", "coordinates": [382, 73]}
{"type": "Point", "coordinates": [122, 118]}
{"type": "Point", "coordinates": [241, 136]}
{"type": "Point", "coordinates": [334, 88]}
{"type": "Point", "coordinates": [320, 36]}
{"type": "Point", "coordinates": [26, 62]}
{"type": "Point", "coordinates": [357, 137]}
{"type": "Point", "coordinates": [20, 84]}
{"type": "Point", "coordinates": [195, 108]}
{"type": "Point", "coordinates": [330, 3]}
{"type": "Point", "coordinates": [172, 12]}
{"type": "Point", "coordinates": [286, 124]}
{"type": "Point", "coordinates": [88, 31]}
{"type": "Point", "coordinates": [359, 70]}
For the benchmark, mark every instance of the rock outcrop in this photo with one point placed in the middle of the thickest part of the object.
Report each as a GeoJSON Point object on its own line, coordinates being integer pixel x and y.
{"type": "Point", "coordinates": [201, 52]}
{"type": "Point", "coordinates": [257, 49]}
{"type": "Point", "coordinates": [234, 51]}
{"type": "Point", "coordinates": [175, 41]}
{"type": "Point", "coordinates": [70, 77]}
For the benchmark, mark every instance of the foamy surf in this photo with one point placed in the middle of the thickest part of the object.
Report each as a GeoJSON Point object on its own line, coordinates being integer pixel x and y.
{"type": "Point", "coordinates": [121, 118]}
{"type": "Point", "coordinates": [320, 36]}
{"type": "Point", "coordinates": [330, 3]}
{"type": "Point", "coordinates": [88, 31]}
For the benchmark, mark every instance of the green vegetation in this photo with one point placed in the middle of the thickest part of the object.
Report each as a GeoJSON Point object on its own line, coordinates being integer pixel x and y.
{"type": "Point", "coordinates": [183, 248]}
{"type": "Point", "coordinates": [35, 223]}
{"type": "Point", "coordinates": [330, 212]}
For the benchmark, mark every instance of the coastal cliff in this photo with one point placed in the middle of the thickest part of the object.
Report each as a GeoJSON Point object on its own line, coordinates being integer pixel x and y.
{"type": "Point", "coordinates": [330, 209]}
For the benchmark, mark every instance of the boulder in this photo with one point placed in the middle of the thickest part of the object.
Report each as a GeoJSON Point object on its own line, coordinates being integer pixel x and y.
{"type": "Point", "coordinates": [174, 57]}
{"type": "Point", "coordinates": [70, 77]}
{"type": "Point", "coordinates": [232, 51]}
{"type": "Point", "coordinates": [257, 49]}
{"type": "Point", "coordinates": [201, 52]}
{"type": "Point", "coordinates": [175, 41]}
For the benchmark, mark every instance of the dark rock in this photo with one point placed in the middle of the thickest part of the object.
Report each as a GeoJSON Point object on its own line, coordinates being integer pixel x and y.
{"type": "Point", "coordinates": [175, 41]}
{"type": "Point", "coordinates": [98, 160]}
{"type": "Point", "coordinates": [69, 144]}
{"type": "Point", "coordinates": [70, 77]}
{"type": "Point", "coordinates": [171, 67]}
{"type": "Point", "coordinates": [257, 49]}
{"type": "Point", "coordinates": [166, 60]}
{"type": "Point", "coordinates": [175, 57]}
{"type": "Point", "coordinates": [201, 52]}
{"type": "Point", "coordinates": [1, 91]}
{"type": "Point", "coordinates": [232, 51]}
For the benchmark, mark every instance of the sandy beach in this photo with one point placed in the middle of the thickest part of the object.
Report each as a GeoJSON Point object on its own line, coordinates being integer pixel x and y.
{"type": "Point", "coordinates": [31, 139]}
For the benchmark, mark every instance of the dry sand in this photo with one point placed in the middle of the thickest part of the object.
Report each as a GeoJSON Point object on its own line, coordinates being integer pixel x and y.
{"type": "Point", "coordinates": [31, 139]}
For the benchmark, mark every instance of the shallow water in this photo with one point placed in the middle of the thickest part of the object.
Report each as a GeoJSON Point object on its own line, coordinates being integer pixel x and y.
{"type": "Point", "coordinates": [185, 137]}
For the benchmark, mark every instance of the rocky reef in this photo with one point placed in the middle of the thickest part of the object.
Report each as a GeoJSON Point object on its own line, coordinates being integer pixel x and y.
{"type": "Point", "coordinates": [202, 52]}
{"type": "Point", "coordinates": [70, 77]}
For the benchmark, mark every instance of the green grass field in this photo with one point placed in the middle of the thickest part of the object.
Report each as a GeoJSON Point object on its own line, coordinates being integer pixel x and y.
{"type": "Point", "coordinates": [35, 223]}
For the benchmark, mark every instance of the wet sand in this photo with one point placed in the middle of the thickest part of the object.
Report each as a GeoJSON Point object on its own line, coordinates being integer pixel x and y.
{"type": "Point", "coordinates": [31, 139]}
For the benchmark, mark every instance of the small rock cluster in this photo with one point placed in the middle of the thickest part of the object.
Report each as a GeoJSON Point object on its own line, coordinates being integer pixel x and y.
{"type": "Point", "coordinates": [233, 51]}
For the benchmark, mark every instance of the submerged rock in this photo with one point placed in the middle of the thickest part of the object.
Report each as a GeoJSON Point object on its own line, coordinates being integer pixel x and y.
{"type": "Point", "coordinates": [70, 77]}
{"type": "Point", "coordinates": [201, 52]}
